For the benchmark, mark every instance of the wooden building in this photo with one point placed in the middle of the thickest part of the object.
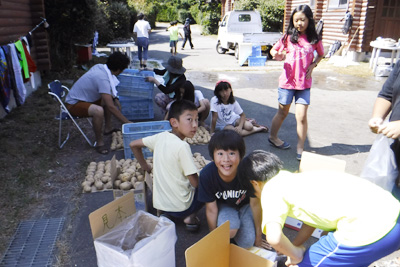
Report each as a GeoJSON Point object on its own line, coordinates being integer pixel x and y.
{"type": "Point", "coordinates": [17, 19]}
{"type": "Point", "coordinates": [371, 18]}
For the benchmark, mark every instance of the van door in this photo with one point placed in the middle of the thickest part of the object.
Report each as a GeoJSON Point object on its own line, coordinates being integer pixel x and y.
{"type": "Point", "coordinates": [223, 32]}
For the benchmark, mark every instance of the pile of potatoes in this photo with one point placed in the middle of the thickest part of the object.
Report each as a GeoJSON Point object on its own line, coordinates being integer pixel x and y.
{"type": "Point", "coordinates": [117, 141]}
{"type": "Point", "coordinates": [98, 175]}
{"type": "Point", "coordinates": [202, 136]}
{"type": "Point", "coordinates": [200, 160]}
{"type": "Point", "coordinates": [132, 175]}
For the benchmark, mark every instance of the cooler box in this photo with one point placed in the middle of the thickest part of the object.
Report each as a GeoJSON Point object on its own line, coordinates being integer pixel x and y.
{"type": "Point", "coordinates": [138, 130]}
{"type": "Point", "coordinates": [256, 51]}
{"type": "Point", "coordinates": [257, 61]}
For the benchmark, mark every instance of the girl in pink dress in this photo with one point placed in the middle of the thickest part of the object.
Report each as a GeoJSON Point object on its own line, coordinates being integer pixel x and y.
{"type": "Point", "coordinates": [297, 48]}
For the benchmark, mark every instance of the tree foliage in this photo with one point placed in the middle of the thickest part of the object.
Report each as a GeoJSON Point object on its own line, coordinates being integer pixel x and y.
{"type": "Point", "coordinates": [271, 11]}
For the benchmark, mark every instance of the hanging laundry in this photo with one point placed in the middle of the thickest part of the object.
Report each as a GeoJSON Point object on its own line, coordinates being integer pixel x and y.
{"type": "Point", "coordinates": [31, 64]}
{"type": "Point", "coordinates": [11, 75]}
{"type": "Point", "coordinates": [23, 62]}
{"type": "Point", "coordinates": [21, 90]}
{"type": "Point", "coordinates": [5, 88]}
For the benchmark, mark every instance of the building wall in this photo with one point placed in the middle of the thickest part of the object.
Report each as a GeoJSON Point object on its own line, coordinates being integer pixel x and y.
{"type": "Point", "coordinates": [363, 20]}
{"type": "Point", "coordinates": [17, 18]}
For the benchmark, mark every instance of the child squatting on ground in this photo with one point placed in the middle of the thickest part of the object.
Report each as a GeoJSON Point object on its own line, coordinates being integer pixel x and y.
{"type": "Point", "coordinates": [175, 178]}
{"type": "Point", "coordinates": [227, 113]}
{"type": "Point", "coordinates": [297, 46]}
{"type": "Point", "coordinates": [225, 198]}
{"type": "Point", "coordinates": [362, 218]}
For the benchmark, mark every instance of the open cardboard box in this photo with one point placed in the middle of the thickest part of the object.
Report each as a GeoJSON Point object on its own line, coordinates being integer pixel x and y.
{"type": "Point", "coordinates": [117, 223]}
{"type": "Point", "coordinates": [311, 162]}
{"type": "Point", "coordinates": [139, 191]}
{"type": "Point", "coordinates": [215, 250]}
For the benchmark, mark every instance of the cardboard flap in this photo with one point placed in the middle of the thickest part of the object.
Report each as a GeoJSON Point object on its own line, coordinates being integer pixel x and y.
{"type": "Point", "coordinates": [212, 250]}
{"type": "Point", "coordinates": [107, 217]}
{"type": "Point", "coordinates": [240, 257]}
{"type": "Point", "coordinates": [149, 180]}
{"type": "Point", "coordinates": [114, 171]}
{"type": "Point", "coordinates": [311, 161]}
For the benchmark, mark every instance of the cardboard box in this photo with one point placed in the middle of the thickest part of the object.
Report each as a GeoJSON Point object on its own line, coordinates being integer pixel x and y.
{"type": "Point", "coordinates": [309, 162]}
{"type": "Point", "coordinates": [124, 237]}
{"type": "Point", "coordinates": [215, 250]}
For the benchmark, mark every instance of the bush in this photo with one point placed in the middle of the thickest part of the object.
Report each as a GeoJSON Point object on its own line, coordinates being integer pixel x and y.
{"type": "Point", "coordinates": [167, 13]}
{"type": "Point", "coordinates": [119, 20]}
{"type": "Point", "coordinates": [272, 13]}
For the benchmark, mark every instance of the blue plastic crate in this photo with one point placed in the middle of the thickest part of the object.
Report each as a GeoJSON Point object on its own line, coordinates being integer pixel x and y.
{"type": "Point", "coordinates": [138, 130]}
{"type": "Point", "coordinates": [133, 84]}
{"type": "Point", "coordinates": [256, 51]}
{"type": "Point", "coordinates": [136, 109]}
{"type": "Point", "coordinates": [257, 61]}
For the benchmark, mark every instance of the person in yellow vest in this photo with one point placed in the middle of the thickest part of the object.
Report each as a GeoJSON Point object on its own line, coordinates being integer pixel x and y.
{"type": "Point", "coordinates": [173, 36]}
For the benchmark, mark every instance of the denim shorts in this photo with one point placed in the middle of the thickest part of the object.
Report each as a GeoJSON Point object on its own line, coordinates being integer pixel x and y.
{"type": "Point", "coordinates": [285, 96]}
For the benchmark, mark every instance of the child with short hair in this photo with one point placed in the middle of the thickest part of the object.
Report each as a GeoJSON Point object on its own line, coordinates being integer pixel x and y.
{"type": "Point", "coordinates": [227, 113]}
{"type": "Point", "coordinates": [173, 36]}
{"type": "Point", "coordinates": [362, 218]}
{"type": "Point", "coordinates": [225, 198]}
{"type": "Point", "coordinates": [175, 177]}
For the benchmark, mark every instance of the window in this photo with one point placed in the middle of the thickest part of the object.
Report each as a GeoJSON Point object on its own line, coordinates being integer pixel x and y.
{"type": "Point", "coordinates": [390, 9]}
{"type": "Point", "coordinates": [244, 18]}
{"type": "Point", "coordinates": [312, 4]}
{"type": "Point", "coordinates": [338, 3]}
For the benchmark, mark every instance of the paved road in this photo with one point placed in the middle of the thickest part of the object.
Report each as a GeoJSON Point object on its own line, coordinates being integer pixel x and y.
{"type": "Point", "coordinates": [340, 108]}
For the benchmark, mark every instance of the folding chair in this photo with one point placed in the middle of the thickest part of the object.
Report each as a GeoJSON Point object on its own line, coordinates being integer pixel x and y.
{"type": "Point", "coordinates": [59, 91]}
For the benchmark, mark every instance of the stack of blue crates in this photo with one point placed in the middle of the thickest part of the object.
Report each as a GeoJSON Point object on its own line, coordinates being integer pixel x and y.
{"type": "Point", "coordinates": [136, 95]}
{"type": "Point", "coordinates": [138, 130]}
{"type": "Point", "coordinates": [256, 60]}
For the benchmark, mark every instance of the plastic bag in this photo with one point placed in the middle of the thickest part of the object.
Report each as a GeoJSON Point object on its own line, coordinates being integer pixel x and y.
{"type": "Point", "coordinates": [380, 166]}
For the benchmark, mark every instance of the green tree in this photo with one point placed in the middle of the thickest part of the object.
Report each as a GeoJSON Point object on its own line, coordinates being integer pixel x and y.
{"type": "Point", "coordinates": [72, 22]}
{"type": "Point", "coordinates": [271, 11]}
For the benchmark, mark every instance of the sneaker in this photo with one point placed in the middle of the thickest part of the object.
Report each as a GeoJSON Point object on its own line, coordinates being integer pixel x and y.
{"type": "Point", "coordinates": [183, 48]}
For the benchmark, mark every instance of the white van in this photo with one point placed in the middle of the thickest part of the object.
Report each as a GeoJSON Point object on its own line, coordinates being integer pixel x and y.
{"type": "Point", "coordinates": [243, 27]}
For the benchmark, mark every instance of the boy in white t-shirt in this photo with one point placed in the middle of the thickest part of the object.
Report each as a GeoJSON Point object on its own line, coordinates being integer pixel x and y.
{"type": "Point", "coordinates": [175, 174]}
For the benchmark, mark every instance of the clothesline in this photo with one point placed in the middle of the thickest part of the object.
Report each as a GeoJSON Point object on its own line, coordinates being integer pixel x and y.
{"type": "Point", "coordinates": [16, 67]}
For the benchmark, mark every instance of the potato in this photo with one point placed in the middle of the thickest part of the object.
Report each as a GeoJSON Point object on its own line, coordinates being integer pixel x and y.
{"type": "Point", "coordinates": [125, 177]}
{"type": "Point", "coordinates": [125, 186]}
{"type": "Point", "coordinates": [108, 185]}
{"type": "Point", "coordinates": [87, 188]}
{"type": "Point", "coordinates": [99, 185]}
{"type": "Point", "coordinates": [90, 180]}
{"type": "Point", "coordinates": [140, 178]}
{"type": "Point", "coordinates": [117, 183]}
{"type": "Point", "coordinates": [105, 179]}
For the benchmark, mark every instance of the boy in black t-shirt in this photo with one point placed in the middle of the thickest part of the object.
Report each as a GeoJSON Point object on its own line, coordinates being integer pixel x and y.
{"type": "Point", "coordinates": [225, 198]}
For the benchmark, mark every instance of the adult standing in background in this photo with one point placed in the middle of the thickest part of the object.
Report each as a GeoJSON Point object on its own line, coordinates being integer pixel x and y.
{"type": "Point", "coordinates": [188, 34]}
{"type": "Point", "coordinates": [388, 102]}
{"type": "Point", "coordinates": [141, 30]}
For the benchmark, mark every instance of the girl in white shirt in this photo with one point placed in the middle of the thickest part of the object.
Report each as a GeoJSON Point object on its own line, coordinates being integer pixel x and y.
{"type": "Point", "coordinates": [227, 113]}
